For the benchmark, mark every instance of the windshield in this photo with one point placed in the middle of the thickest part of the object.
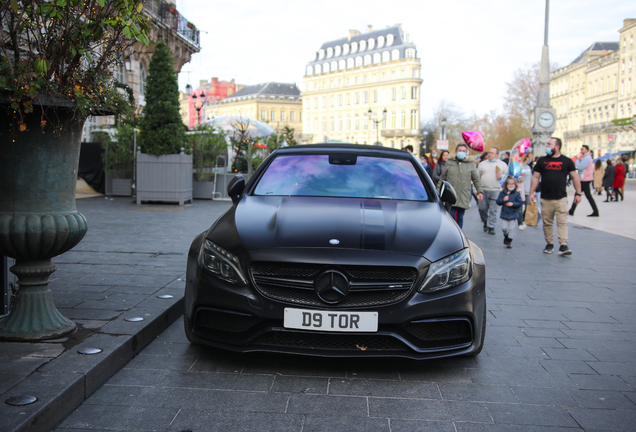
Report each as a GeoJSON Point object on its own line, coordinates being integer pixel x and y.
{"type": "Point", "coordinates": [333, 176]}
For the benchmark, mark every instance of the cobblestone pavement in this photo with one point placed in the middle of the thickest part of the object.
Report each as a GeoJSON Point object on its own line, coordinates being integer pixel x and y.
{"type": "Point", "coordinates": [560, 355]}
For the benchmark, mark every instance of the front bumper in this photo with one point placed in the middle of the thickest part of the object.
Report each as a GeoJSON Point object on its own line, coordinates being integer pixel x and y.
{"type": "Point", "coordinates": [420, 326]}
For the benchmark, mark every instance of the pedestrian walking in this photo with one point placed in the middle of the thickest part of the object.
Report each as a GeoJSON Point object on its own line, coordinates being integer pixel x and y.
{"type": "Point", "coordinates": [426, 165]}
{"type": "Point", "coordinates": [506, 158]}
{"type": "Point", "coordinates": [608, 180]}
{"type": "Point", "coordinates": [461, 173]}
{"type": "Point", "coordinates": [526, 178]}
{"type": "Point", "coordinates": [510, 200]}
{"type": "Point", "coordinates": [491, 171]}
{"type": "Point", "coordinates": [624, 159]}
{"type": "Point", "coordinates": [598, 177]}
{"type": "Point", "coordinates": [551, 171]}
{"type": "Point", "coordinates": [619, 180]}
{"type": "Point", "coordinates": [440, 165]}
{"type": "Point", "coordinates": [585, 166]}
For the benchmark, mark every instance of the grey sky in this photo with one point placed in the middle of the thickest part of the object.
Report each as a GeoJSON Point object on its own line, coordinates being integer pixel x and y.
{"type": "Point", "coordinates": [468, 49]}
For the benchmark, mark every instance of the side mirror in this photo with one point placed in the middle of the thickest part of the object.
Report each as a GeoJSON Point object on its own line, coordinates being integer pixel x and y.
{"type": "Point", "coordinates": [236, 187]}
{"type": "Point", "coordinates": [447, 193]}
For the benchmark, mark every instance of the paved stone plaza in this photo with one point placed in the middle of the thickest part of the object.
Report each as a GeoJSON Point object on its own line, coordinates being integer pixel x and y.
{"type": "Point", "coordinates": [560, 351]}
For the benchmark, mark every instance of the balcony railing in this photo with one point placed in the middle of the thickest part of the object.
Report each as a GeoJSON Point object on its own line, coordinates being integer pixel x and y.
{"type": "Point", "coordinates": [168, 14]}
{"type": "Point", "coordinates": [596, 127]}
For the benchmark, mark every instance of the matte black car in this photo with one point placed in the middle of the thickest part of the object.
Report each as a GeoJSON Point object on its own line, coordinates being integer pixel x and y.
{"type": "Point", "coordinates": [337, 250]}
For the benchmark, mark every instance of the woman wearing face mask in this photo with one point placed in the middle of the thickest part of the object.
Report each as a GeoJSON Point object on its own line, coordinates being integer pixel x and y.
{"type": "Point", "coordinates": [440, 165]}
{"type": "Point", "coordinates": [510, 200]}
{"type": "Point", "coordinates": [461, 173]}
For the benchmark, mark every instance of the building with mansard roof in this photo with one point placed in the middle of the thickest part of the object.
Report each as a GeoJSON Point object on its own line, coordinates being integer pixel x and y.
{"type": "Point", "coordinates": [595, 98]}
{"type": "Point", "coordinates": [364, 89]}
{"type": "Point", "coordinates": [277, 104]}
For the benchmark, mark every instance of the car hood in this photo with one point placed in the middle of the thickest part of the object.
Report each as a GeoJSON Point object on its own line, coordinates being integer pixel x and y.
{"type": "Point", "coordinates": [409, 227]}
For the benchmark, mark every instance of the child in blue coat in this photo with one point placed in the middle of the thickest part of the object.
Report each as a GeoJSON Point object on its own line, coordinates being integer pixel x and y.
{"type": "Point", "coordinates": [510, 200]}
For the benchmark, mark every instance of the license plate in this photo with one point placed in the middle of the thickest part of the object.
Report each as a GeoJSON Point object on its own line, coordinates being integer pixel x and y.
{"type": "Point", "coordinates": [338, 321]}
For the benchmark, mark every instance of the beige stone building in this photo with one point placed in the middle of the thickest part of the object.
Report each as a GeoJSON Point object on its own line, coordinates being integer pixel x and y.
{"type": "Point", "coordinates": [595, 98]}
{"type": "Point", "coordinates": [363, 89]}
{"type": "Point", "coordinates": [277, 104]}
{"type": "Point", "coordinates": [182, 38]}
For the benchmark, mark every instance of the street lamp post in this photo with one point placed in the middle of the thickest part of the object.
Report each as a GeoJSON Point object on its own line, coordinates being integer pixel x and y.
{"type": "Point", "coordinates": [425, 141]}
{"type": "Point", "coordinates": [198, 107]}
{"type": "Point", "coordinates": [443, 129]}
{"type": "Point", "coordinates": [377, 121]}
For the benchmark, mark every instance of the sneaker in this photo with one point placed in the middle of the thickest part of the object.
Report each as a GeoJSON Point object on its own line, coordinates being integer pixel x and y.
{"type": "Point", "coordinates": [522, 227]}
{"type": "Point", "coordinates": [505, 239]}
{"type": "Point", "coordinates": [509, 244]}
{"type": "Point", "coordinates": [564, 250]}
{"type": "Point", "coordinates": [593, 215]}
{"type": "Point", "coordinates": [485, 226]}
{"type": "Point", "coordinates": [491, 231]}
{"type": "Point", "coordinates": [548, 248]}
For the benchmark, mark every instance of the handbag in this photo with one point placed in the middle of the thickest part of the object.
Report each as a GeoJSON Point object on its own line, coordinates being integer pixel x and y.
{"type": "Point", "coordinates": [532, 214]}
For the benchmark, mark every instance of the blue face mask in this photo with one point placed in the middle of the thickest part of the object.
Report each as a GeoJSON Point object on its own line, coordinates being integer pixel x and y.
{"type": "Point", "coordinates": [461, 155]}
{"type": "Point", "coordinates": [492, 160]}
{"type": "Point", "coordinates": [548, 151]}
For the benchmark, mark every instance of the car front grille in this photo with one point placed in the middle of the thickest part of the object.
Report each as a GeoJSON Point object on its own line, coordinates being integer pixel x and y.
{"type": "Point", "coordinates": [369, 285]}
{"type": "Point", "coordinates": [336, 342]}
{"type": "Point", "coordinates": [452, 331]}
{"type": "Point", "coordinates": [225, 321]}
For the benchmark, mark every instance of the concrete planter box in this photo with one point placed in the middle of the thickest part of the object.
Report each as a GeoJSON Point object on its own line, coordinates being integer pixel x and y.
{"type": "Point", "coordinates": [166, 178]}
{"type": "Point", "coordinates": [202, 190]}
{"type": "Point", "coordinates": [122, 187]}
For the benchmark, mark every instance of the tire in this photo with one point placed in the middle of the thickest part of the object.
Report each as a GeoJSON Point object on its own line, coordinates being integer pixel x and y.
{"type": "Point", "coordinates": [483, 334]}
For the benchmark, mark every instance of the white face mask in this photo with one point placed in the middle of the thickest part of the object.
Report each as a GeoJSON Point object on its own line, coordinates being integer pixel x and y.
{"type": "Point", "coordinates": [511, 188]}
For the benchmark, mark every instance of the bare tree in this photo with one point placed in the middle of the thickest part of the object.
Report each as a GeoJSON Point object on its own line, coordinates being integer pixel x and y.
{"type": "Point", "coordinates": [522, 91]}
{"type": "Point", "coordinates": [456, 122]}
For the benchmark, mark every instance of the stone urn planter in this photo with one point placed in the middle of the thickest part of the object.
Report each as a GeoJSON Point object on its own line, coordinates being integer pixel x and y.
{"type": "Point", "coordinates": [38, 217]}
{"type": "Point", "coordinates": [165, 178]}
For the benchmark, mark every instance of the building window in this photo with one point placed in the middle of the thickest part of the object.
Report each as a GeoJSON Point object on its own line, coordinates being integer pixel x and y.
{"type": "Point", "coordinates": [392, 120]}
{"type": "Point", "coordinates": [282, 116]}
{"type": "Point", "coordinates": [383, 76]}
{"type": "Point", "coordinates": [348, 122]}
{"type": "Point", "coordinates": [416, 73]}
{"type": "Point", "coordinates": [386, 56]}
{"type": "Point", "coordinates": [365, 97]}
{"type": "Point", "coordinates": [263, 115]}
{"type": "Point", "coordinates": [375, 96]}
{"type": "Point", "coordinates": [315, 102]}
{"type": "Point", "coordinates": [403, 73]}
{"type": "Point", "coordinates": [393, 75]}
{"type": "Point", "coordinates": [348, 99]}
{"type": "Point", "coordinates": [356, 122]}
{"type": "Point", "coordinates": [365, 122]}
{"type": "Point", "coordinates": [414, 122]}
{"type": "Point", "coordinates": [324, 101]}
{"type": "Point", "coordinates": [348, 82]}
{"type": "Point", "coordinates": [272, 114]}
{"type": "Point", "coordinates": [377, 58]}
{"type": "Point", "coordinates": [413, 92]}
{"type": "Point", "coordinates": [340, 123]}
{"type": "Point", "coordinates": [119, 71]}
{"type": "Point", "coordinates": [310, 70]}
{"type": "Point", "coordinates": [332, 122]}
{"type": "Point", "coordinates": [395, 54]}
{"type": "Point", "coordinates": [291, 116]}
{"type": "Point", "coordinates": [342, 64]}
{"type": "Point", "coordinates": [403, 93]}
{"type": "Point", "coordinates": [339, 83]}
{"type": "Point", "coordinates": [324, 124]}
{"type": "Point", "coordinates": [402, 119]}
{"type": "Point", "coordinates": [332, 101]}
{"type": "Point", "coordinates": [339, 100]}
{"type": "Point", "coordinates": [358, 61]}
{"type": "Point", "coordinates": [410, 53]}
{"type": "Point", "coordinates": [393, 93]}
{"type": "Point", "coordinates": [357, 98]}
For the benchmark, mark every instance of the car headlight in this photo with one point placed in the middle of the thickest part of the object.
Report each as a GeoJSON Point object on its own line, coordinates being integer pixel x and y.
{"type": "Point", "coordinates": [223, 264]}
{"type": "Point", "coordinates": [448, 272]}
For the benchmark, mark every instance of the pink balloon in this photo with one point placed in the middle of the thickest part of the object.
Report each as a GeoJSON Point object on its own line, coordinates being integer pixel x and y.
{"type": "Point", "coordinates": [524, 145]}
{"type": "Point", "coordinates": [474, 140]}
